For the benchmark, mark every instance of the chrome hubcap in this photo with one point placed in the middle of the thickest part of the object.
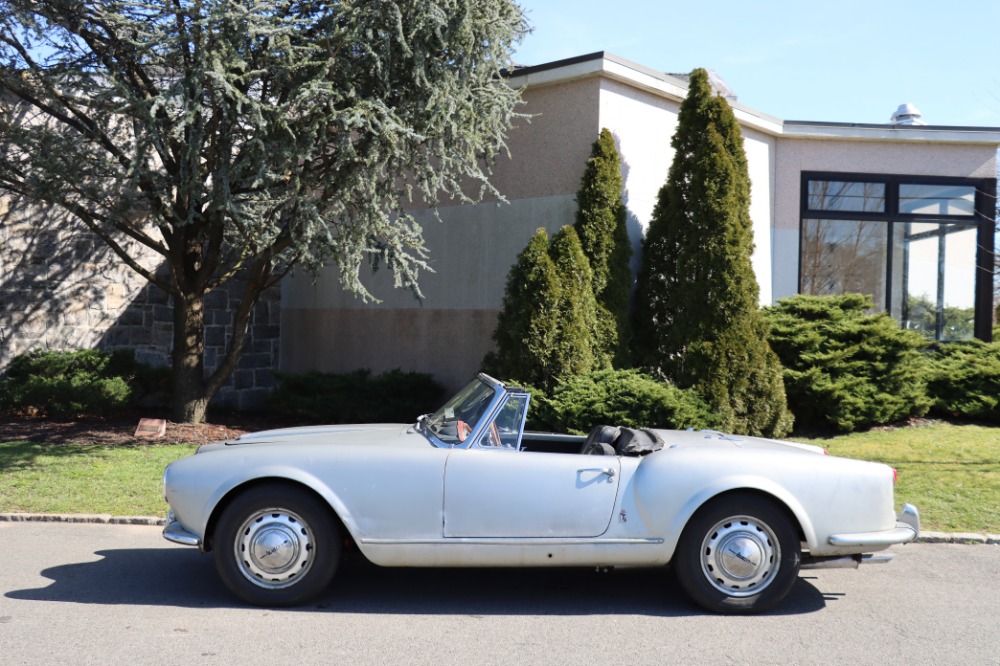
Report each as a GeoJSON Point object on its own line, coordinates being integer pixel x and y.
{"type": "Point", "coordinates": [740, 556]}
{"type": "Point", "coordinates": [274, 548]}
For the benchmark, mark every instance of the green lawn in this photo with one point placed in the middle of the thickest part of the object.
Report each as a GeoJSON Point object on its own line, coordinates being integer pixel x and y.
{"type": "Point", "coordinates": [67, 478]}
{"type": "Point", "coordinates": [950, 472]}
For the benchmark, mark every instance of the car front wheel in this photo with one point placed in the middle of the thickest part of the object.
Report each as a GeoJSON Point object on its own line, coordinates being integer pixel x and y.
{"type": "Point", "coordinates": [277, 546]}
{"type": "Point", "coordinates": [738, 554]}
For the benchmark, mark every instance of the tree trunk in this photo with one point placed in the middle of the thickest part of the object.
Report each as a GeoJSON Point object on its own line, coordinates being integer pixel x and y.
{"type": "Point", "coordinates": [190, 400]}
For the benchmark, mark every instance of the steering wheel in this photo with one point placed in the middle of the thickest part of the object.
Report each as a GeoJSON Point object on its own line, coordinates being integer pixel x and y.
{"type": "Point", "coordinates": [495, 436]}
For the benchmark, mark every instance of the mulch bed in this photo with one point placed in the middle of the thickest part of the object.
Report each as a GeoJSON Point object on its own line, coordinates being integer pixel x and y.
{"type": "Point", "coordinates": [120, 430]}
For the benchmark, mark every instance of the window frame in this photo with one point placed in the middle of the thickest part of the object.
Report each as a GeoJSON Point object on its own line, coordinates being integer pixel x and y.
{"type": "Point", "coordinates": [982, 219]}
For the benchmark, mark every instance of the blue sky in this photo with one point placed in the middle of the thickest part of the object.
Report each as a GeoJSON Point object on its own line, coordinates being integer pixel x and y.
{"type": "Point", "coordinates": [845, 61]}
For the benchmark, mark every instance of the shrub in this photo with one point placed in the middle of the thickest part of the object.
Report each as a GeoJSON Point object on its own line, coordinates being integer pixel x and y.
{"type": "Point", "coordinates": [600, 224]}
{"type": "Point", "coordinates": [845, 368]}
{"type": "Point", "coordinates": [697, 317]}
{"type": "Point", "coordinates": [77, 383]}
{"type": "Point", "coordinates": [356, 397]}
{"type": "Point", "coordinates": [964, 380]}
{"type": "Point", "coordinates": [617, 397]}
{"type": "Point", "coordinates": [550, 325]}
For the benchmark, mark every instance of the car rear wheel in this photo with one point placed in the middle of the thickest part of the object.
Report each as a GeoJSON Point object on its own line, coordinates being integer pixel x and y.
{"type": "Point", "coordinates": [738, 554]}
{"type": "Point", "coordinates": [277, 546]}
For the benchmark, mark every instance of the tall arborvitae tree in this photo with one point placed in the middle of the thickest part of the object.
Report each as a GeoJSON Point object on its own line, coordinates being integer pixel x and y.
{"type": "Point", "coordinates": [550, 326]}
{"type": "Point", "coordinates": [586, 331]}
{"type": "Point", "coordinates": [529, 318]}
{"type": "Point", "coordinates": [600, 224]}
{"type": "Point", "coordinates": [697, 319]}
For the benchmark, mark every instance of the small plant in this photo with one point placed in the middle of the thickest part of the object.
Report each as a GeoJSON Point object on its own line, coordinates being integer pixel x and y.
{"type": "Point", "coordinates": [83, 382]}
{"type": "Point", "coordinates": [355, 397]}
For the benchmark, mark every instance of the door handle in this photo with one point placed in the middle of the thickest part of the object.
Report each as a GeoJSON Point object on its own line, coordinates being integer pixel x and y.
{"type": "Point", "coordinates": [610, 471]}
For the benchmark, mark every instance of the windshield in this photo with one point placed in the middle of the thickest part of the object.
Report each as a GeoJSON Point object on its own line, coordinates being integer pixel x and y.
{"type": "Point", "coordinates": [453, 423]}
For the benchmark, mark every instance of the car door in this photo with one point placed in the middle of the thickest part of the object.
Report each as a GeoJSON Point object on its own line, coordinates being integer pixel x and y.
{"type": "Point", "coordinates": [492, 493]}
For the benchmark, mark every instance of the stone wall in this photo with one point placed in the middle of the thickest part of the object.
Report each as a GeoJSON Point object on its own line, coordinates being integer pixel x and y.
{"type": "Point", "coordinates": [62, 288]}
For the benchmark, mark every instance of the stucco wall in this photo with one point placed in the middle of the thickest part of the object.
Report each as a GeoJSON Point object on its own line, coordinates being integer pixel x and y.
{"type": "Point", "coordinates": [471, 251]}
{"type": "Point", "coordinates": [472, 248]}
{"type": "Point", "coordinates": [795, 155]}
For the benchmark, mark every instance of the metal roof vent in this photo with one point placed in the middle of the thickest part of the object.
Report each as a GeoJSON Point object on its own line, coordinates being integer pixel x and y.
{"type": "Point", "coordinates": [907, 114]}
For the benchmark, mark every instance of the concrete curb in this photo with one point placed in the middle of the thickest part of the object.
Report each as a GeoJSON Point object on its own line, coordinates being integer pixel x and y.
{"type": "Point", "coordinates": [106, 519]}
{"type": "Point", "coordinates": [97, 518]}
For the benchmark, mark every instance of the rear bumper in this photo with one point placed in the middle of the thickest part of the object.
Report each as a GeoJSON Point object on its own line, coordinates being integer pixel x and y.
{"type": "Point", "coordinates": [907, 529]}
{"type": "Point", "coordinates": [174, 531]}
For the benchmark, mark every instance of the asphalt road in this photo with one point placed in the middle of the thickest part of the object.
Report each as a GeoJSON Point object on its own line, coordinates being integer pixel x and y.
{"type": "Point", "coordinates": [113, 594]}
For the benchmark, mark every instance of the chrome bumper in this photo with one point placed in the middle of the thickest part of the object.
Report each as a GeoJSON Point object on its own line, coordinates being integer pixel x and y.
{"type": "Point", "coordinates": [907, 529]}
{"type": "Point", "coordinates": [173, 531]}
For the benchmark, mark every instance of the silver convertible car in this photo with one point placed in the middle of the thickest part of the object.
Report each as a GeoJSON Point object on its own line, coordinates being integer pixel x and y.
{"type": "Point", "coordinates": [737, 517]}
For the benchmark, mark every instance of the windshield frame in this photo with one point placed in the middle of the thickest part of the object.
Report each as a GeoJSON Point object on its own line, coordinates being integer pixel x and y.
{"type": "Point", "coordinates": [473, 407]}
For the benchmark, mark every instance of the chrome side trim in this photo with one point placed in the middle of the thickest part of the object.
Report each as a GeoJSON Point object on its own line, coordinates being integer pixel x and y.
{"type": "Point", "coordinates": [173, 531]}
{"type": "Point", "coordinates": [540, 541]}
{"type": "Point", "coordinates": [907, 529]}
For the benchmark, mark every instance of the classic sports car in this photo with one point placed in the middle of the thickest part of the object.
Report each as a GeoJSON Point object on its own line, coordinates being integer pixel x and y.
{"type": "Point", "coordinates": [467, 487]}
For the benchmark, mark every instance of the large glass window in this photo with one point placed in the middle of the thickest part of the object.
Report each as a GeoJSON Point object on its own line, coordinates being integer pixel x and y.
{"type": "Point", "coordinates": [910, 243]}
{"type": "Point", "coordinates": [846, 196]}
{"type": "Point", "coordinates": [844, 256]}
{"type": "Point", "coordinates": [915, 199]}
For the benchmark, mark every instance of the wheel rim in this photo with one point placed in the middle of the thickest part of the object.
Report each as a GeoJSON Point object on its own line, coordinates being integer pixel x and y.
{"type": "Point", "coordinates": [274, 548]}
{"type": "Point", "coordinates": [740, 556]}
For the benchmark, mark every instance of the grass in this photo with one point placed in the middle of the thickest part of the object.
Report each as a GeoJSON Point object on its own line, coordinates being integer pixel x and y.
{"type": "Point", "coordinates": [950, 472]}
{"type": "Point", "coordinates": [68, 478]}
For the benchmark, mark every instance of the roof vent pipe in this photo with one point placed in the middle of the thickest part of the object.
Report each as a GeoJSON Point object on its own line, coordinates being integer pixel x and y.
{"type": "Point", "coordinates": [907, 114]}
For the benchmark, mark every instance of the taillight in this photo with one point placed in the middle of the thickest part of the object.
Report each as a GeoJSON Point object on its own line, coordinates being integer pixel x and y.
{"type": "Point", "coordinates": [895, 476]}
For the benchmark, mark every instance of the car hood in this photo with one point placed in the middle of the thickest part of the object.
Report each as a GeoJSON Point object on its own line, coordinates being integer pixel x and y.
{"type": "Point", "coordinates": [365, 433]}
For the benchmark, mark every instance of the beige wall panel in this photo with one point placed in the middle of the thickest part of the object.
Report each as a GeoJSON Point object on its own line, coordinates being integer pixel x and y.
{"type": "Point", "coordinates": [549, 152]}
{"type": "Point", "coordinates": [448, 344]}
{"type": "Point", "coordinates": [471, 250]}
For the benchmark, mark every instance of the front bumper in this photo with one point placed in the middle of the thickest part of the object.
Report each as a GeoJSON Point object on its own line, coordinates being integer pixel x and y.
{"type": "Point", "coordinates": [907, 529]}
{"type": "Point", "coordinates": [174, 531]}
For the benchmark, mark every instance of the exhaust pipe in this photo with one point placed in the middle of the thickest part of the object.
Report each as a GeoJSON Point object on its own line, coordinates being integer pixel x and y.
{"type": "Point", "coordinates": [845, 562]}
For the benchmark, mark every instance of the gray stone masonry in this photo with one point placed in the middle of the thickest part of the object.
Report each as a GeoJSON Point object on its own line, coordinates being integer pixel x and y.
{"type": "Point", "coordinates": [62, 288]}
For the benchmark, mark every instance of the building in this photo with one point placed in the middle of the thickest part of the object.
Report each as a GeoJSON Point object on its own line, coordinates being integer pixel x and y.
{"type": "Point", "coordinates": [902, 211]}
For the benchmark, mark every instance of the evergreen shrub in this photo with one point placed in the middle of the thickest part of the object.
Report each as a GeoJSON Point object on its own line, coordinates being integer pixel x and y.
{"type": "Point", "coordinates": [697, 320]}
{"type": "Point", "coordinates": [964, 380]}
{"type": "Point", "coordinates": [617, 397]}
{"type": "Point", "coordinates": [601, 225]}
{"type": "Point", "coordinates": [83, 382]}
{"type": "Point", "coordinates": [355, 397]}
{"type": "Point", "coordinates": [550, 325]}
{"type": "Point", "coordinates": [845, 368]}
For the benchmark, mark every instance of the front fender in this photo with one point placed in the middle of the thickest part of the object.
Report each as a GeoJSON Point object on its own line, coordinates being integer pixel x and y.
{"type": "Point", "coordinates": [197, 496]}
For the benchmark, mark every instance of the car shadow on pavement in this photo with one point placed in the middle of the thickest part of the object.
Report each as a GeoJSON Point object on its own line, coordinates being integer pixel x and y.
{"type": "Point", "coordinates": [185, 578]}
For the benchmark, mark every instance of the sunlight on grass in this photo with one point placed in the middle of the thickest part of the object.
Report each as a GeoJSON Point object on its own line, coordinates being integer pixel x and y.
{"type": "Point", "coordinates": [66, 478]}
